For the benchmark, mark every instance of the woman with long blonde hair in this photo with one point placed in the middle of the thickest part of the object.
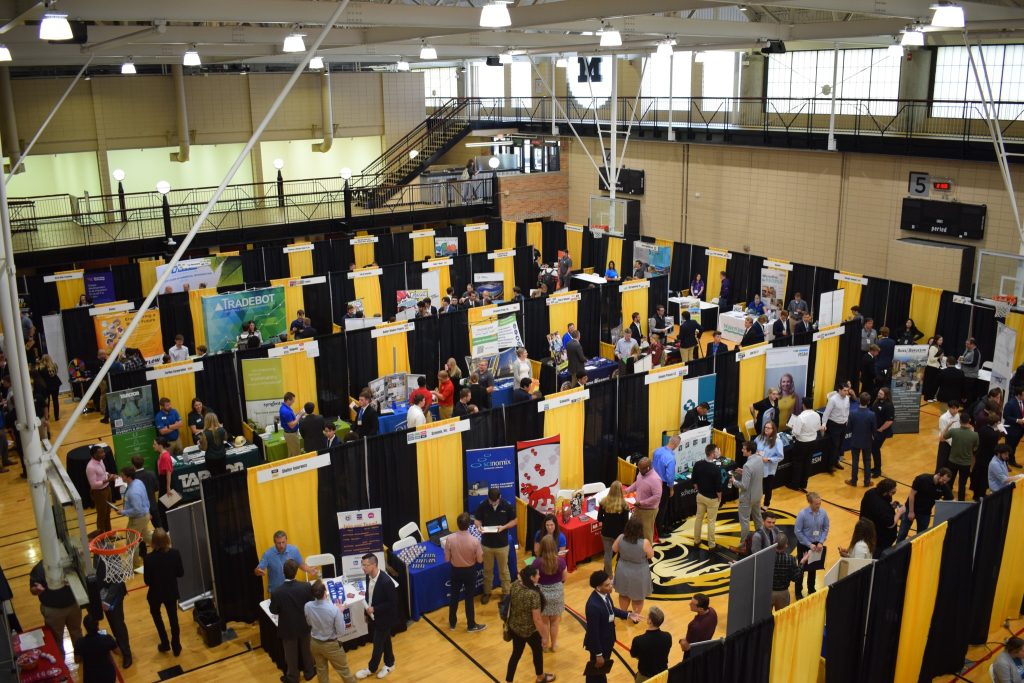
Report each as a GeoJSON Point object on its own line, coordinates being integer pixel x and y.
{"type": "Point", "coordinates": [552, 586]}
{"type": "Point", "coordinates": [452, 368]}
{"type": "Point", "coordinates": [214, 442]}
{"type": "Point", "coordinates": [612, 513]}
{"type": "Point", "coordinates": [48, 371]}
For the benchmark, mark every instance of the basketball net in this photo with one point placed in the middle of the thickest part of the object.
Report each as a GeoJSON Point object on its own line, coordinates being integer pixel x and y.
{"type": "Point", "coordinates": [1003, 304]}
{"type": "Point", "coordinates": [117, 549]}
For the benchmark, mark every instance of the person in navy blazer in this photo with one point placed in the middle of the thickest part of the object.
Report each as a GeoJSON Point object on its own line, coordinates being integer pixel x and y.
{"type": "Point", "coordinates": [601, 615]}
{"type": "Point", "coordinates": [753, 334]}
{"type": "Point", "coordinates": [1013, 420]}
{"type": "Point", "coordinates": [717, 345]}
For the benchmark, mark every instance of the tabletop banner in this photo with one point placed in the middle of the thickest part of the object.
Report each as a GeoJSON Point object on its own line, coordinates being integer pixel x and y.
{"type": "Point", "coordinates": [697, 390]}
{"type": "Point", "coordinates": [540, 462]}
{"type": "Point", "coordinates": [99, 287]}
{"type": "Point", "coordinates": [131, 425]}
{"type": "Point", "coordinates": [224, 315]}
{"type": "Point", "coordinates": [486, 467]}
{"type": "Point", "coordinates": [361, 533]}
{"type": "Point", "coordinates": [201, 273]}
{"type": "Point", "coordinates": [908, 363]}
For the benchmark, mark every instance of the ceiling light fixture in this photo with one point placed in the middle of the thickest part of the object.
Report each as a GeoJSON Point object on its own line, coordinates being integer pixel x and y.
{"type": "Point", "coordinates": [895, 50]}
{"type": "Point", "coordinates": [346, 173]}
{"type": "Point", "coordinates": [504, 58]}
{"type": "Point", "coordinates": [912, 37]}
{"type": "Point", "coordinates": [5, 54]}
{"type": "Point", "coordinates": [191, 58]}
{"type": "Point", "coordinates": [699, 57]}
{"type": "Point", "coordinates": [562, 63]}
{"type": "Point", "coordinates": [294, 43]}
{"type": "Point", "coordinates": [55, 27]}
{"type": "Point", "coordinates": [494, 162]}
{"type": "Point", "coordinates": [947, 15]}
{"type": "Point", "coordinates": [118, 174]}
{"type": "Point", "coordinates": [316, 64]}
{"type": "Point", "coordinates": [495, 15]}
{"type": "Point", "coordinates": [128, 68]}
{"type": "Point", "coordinates": [427, 53]}
{"type": "Point", "coordinates": [665, 48]}
{"type": "Point", "coordinates": [744, 8]}
{"type": "Point", "coordinates": [610, 37]}
{"type": "Point", "coordinates": [402, 65]}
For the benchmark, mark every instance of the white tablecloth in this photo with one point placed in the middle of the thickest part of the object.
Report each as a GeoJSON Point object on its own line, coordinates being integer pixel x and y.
{"type": "Point", "coordinates": [347, 596]}
{"type": "Point", "coordinates": [731, 326]}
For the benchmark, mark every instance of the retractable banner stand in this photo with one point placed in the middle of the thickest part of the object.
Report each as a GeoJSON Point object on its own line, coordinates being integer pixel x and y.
{"type": "Point", "coordinates": [785, 369]}
{"type": "Point", "coordinates": [263, 383]}
{"type": "Point", "coordinates": [187, 526]}
{"type": "Point", "coordinates": [697, 390]}
{"type": "Point", "coordinates": [361, 533]}
{"type": "Point", "coordinates": [1002, 359]}
{"type": "Point", "coordinates": [131, 425]}
{"type": "Point", "coordinates": [147, 336]}
{"type": "Point", "coordinates": [224, 315]}
{"type": "Point", "coordinates": [53, 330]}
{"type": "Point", "coordinates": [908, 364]}
{"type": "Point", "coordinates": [540, 462]}
{"type": "Point", "coordinates": [486, 467]}
{"type": "Point", "coordinates": [99, 287]}
{"type": "Point", "coordinates": [200, 273]}
{"type": "Point", "coordinates": [773, 284]}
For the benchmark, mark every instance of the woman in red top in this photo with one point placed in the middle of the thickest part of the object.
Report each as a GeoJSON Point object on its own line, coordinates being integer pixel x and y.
{"type": "Point", "coordinates": [445, 395]}
{"type": "Point", "coordinates": [164, 464]}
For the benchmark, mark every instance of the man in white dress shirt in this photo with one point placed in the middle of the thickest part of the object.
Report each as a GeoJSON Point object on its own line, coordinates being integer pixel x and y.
{"type": "Point", "coordinates": [179, 351]}
{"type": "Point", "coordinates": [837, 414]}
{"type": "Point", "coordinates": [415, 417]}
{"type": "Point", "coordinates": [804, 427]}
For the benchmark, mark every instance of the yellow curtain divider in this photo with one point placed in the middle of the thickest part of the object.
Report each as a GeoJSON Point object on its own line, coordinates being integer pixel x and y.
{"type": "Point", "coordinates": [560, 315]}
{"type": "Point", "coordinates": [299, 373]}
{"type": "Point", "coordinates": [615, 254]}
{"type": "Point", "coordinates": [439, 473]}
{"type": "Point", "coordinates": [535, 236]}
{"type": "Point", "coordinates": [300, 263]}
{"type": "Point", "coordinates": [392, 352]}
{"type": "Point", "coordinates": [664, 407]}
{"type": "Point", "coordinates": [181, 389]}
{"type": "Point", "coordinates": [294, 299]}
{"type": "Point", "coordinates": [508, 234]}
{"type": "Point", "coordinates": [422, 248]}
{"type": "Point", "coordinates": [1016, 321]}
{"type": "Point", "coordinates": [70, 291]}
{"type": "Point", "coordinates": [567, 421]}
{"type": "Point", "coordinates": [363, 254]}
{"type": "Point", "coordinates": [1010, 585]}
{"type": "Point", "coordinates": [716, 264]}
{"type": "Point", "coordinates": [635, 301]}
{"type": "Point", "coordinates": [919, 601]}
{"type": "Point", "coordinates": [367, 289]}
{"type": "Point", "coordinates": [506, 266]}
{"type": "Point", "coordinates": [825, 360]}
{"type": "Point", "coordinates": [195, 307]}
{"type": "Point", "coordinates": [751, 384]}
{"type": "Point", "coordinates": [574, 245]}
{"type": "Point", "coordinates": [147, 274]}
{"type": "Point", "coordinates": [796, 641]}
{"type": "Point", "coordinates": [444, 278]}
{"type": "Point", "coordinates": [924, 308]}
{"type": "Point", "coordinates": [476, 242]}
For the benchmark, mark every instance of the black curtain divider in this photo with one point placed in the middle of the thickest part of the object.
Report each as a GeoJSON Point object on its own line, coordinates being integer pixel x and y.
{"type": "Point", "coordinates": [361, 351]}
{"type": "Point", "coordinates": [884, 615]}
{"type": "Point", "coordinates": [252, 265]}
{"type": "Point", "coordinates": [217, 387]}
{"type": "Point", "coordinates": [874, 297]}
{"type": "Point", "coordinates": [753, 277]}
{"type": "Point", "coordinates": [129, 379]}
{"type": "Point", "coordinates": [486, 430]}
{"type": "Point", "coordinates": [400, 246]}
{"type": "Point", "coordinates": [657, 295]}
{"type": "Point", "coordinates": [175, 319]}
{"type": "Point", "coordinates": [988, 556]}
{"type": "Point", "coordinates": [341, 487]}
{"type": "Point", "coordinates": [898, 308]}
{"type": "Point", "coordinates": [337, 282]}
{"type": "Point", "coordinates": [599, 429]}
{"type": "Point", "coordinates": [748, 653]}
{"type": "Point", "coordinates": [345, 251]}
{"type": "Point", "coordinates": [523, 422]}
{"type": "Point", "coordinates": [414, 277]}
{"type": "Point", "coordinates": [461, 272]}
{"type": "Point", "coordinates": [275, 261]}
{"type": "Point", "coordinates": [611, 305]}
{"type": "Point", "coordinates": [424, 348]}
{"type": "Point", "coordinates": [456, 231]}
{"type": "Point", "coordinates": [332, 385]}
{"type": "Point", "coordinates": [392, 279]}
{"type": "Point", "coordinates": [521, 235]}
{"type": "Point", "coordinates": [316, 302]}
{"type": "Point", "coordinates": [324, 258]}
{"type": "Point", "coordinates": [128, 283]}
{"type": "Point", "coordinates": [801, 279]}
{"type": "Point", "coordinates": [632, 408]}
{"type": "Point", "coordinates": [824, 281]}
{"type": "Point", "coordinates": [79, 337]}
{"type": "Point", "coordinates": [984, 331]}
{"type": "Point", "coordinates": [495, 234]}
{"type": "Point", "coordinates": [679, 276]}
{"type": "Point", "coordinates": [946, 647]}
{"type": "Point", "coordinates": [595, 253]}
{"type": "Point", "coordinates": [453, 339]}
{"type": "Point", "coordinates": [43, 299]}
{"type": "Point", "coordinates": [705, 666]}
{"type": "Point", "coordinates": [394, 481]}
{"type": "Point", "coordinates": [846, 613]}
{"type": "Point", "coordinates": [588, 313]}
{"type": "Point", "coordinates": [553, 238]}
{"type": "Point", "coordinates": [953, 323]}
{"type": "Point", "coordinates": [535, 320]}
{"type": "Point", "coordinates": [848, 365]}
{"type": "Point", "coordinates": [243, 355]}
{"type": "Point", "coordinates": [705, 365]}
{"type": "Point", "coordinates": [727, 387]}
{"type": "Point", "coordinates": [525, 269]}
{"type": "Point", "coordinates": [233, 551]}
{"type": "Point", "coordinates": [738, 273]}
{"type": "Point", "coordinates": [699, 264]}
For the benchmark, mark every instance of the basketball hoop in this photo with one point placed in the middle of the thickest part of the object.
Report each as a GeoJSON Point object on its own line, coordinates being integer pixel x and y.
{"type": "Point", "coordinates": [1003, 303]}
{"type": "Point", "coordinates": [117, 550]}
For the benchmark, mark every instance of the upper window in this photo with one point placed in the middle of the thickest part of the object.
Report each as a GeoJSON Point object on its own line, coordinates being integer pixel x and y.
{"type": "Point", "coordinates": [440, 85]}
{"type": "Point", "coordinates": [522, 85]}
{"type": "Point", "coordinates": [801, 82]}
{"type": "Point", "coordinates": [660, 73]}
{"type": "Point", "coordinates": [719, 80]}
{"type": "Point", "coordinates": [587, 92]}
{"type": "Point", "coordinates": [490, 82]}
{"type": "Point", "coordinates": [954, 80]}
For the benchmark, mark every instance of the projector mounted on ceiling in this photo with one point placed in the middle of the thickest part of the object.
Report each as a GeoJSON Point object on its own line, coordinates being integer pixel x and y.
{"type": "Point", "coordinates": [774, 47]}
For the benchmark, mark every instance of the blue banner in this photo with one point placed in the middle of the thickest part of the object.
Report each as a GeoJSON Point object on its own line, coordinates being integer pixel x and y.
{"type": "Point", "coordinates": [99, 287]}
{"type": "Point", "coordinates": [698, 390]}
{"type": "Point", "coordinates": [490, 466]}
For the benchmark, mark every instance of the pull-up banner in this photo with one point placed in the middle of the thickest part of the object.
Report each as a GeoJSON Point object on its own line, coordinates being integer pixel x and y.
{"type": "Point", "coordinates": [486, 467]}
{"type": "Point", "coordinates": [131, 425]}
{"type": "Point", "coordinates": [539, 464]}
{"type": "Point", "coordinates": [908, 363]}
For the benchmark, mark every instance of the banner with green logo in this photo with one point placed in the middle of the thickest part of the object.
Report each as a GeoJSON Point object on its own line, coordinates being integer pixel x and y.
{"type": "Point", "coordinates": [131, 424]}
{"type": "Point", "coordinates": [263, 383]}
{"type": "Point", "coordinates": [224, 315]}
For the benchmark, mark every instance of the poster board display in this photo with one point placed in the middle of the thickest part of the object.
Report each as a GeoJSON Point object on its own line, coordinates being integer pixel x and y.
{"type": "Point", "coordinates": [132, 428]}
{"type": "Point", "coordinates": [200, 273]}
{"type": "Point", "coordinates": [483, 338]}
{"type": "Point", "coordinates": [224, 315]}
{"type": "Point", "coordinates": [492, 283]}
{"type": "Point", "coordinates": [445, 247]}
{"type": "Point", "coordinates": [691, 448]}
{"type": "Point", "coordinates": [147, 336]}
{"type": "Point", "coordinates": [539, 465]}
{"type": "Point", "coordinates": [830, 308]}
{"type": "Point", "coordinates": [1002, 358]}
{"type": "Point", "coordinates": [697, 390]}
{"type": "Point", "coordinates": [908, 364]}
{"type": "Point", "coordinates": [773, 284]}
{"type": "Point", "coordinates": [486, 467]}
{"type": "Point", "coordinates": [361, 533]}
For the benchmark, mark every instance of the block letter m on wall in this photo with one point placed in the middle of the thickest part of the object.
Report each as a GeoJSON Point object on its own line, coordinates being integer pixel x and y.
{"type": "Point", "coordinates": [590, 69]}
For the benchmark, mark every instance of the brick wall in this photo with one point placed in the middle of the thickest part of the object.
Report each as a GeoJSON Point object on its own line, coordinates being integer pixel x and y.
{"type": "Point", "coordinates": [535, 195]}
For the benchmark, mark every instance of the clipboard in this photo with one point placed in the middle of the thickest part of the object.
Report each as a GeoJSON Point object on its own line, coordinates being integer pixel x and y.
{"type": "Point", "coordinates": [170, 499]}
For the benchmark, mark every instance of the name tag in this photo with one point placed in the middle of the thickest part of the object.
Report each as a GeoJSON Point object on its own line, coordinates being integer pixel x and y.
{"type": "Point", "coordinates": [359, 422]}
{"type": "Point", "coordinates": [611, 618]}
{"type": "Point", "coordinates": [815, 533]}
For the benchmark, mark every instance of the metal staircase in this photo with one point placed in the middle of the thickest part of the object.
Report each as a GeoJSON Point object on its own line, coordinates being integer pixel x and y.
{"type": "Point", "coordinates": [403, 161]}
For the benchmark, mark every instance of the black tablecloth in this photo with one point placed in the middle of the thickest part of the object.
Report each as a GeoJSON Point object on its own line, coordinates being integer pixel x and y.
{"type": "Point", "coordinates": [77, 459]}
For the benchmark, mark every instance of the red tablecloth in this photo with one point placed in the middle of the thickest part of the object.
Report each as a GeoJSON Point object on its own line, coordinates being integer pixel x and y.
{"type": "Point", "coordinates": [583, 541]}
{"type": "Point", "coordinates": [45, 670]}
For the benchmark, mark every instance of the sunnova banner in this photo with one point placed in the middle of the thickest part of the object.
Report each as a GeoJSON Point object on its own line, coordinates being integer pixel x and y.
{"type": "Point", "coordinates": [224, 315]}
{"type": "Point", "coordinates": [486, 467]}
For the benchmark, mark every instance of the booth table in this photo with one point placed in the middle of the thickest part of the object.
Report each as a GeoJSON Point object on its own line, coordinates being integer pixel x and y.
{"type": "Point", "coordinates": [582, 540]}
{"type": "Point", "coordinates": [708, 311]}
{"type": "Point", "coordinates": [395, 421]}
{"type": "Point", "coordinates": [596, 368]}
{"type": "Point", "coordinates": [45, 670]}
{"type": "Point", "coordinates": [189, 472]}
{"type": "Point", "coordinates": [502, 394]}
{"type": "Point", "coordinates": [353, 602]}
{"type": "Point", "coordinates": [274, 447]}
{"type": "Point", "coordinates": [428, 577]}
{"type": "Point", "coordinates": [730, 324]}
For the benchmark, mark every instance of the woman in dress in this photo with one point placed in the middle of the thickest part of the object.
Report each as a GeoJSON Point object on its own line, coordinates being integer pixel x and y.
{"type": "Point", "coordinates": [788, 398]}
{"type": "Point", "coordinates": [551, 580]}
{"type": "Point", "coordinates": [524, 623]}
{"type": "Point", "coordinates": [697, 286]}
{"type": "Point", "coordinates": [612, 513]}
{"type": "Point", "coordinates": [214, 442]}
{"type": "Point", "coordinates": [932, 368]}
{"type": "Point", "coordinates": [610, 272]}
{"type": "Point", "coordinates": [633, 571]}
{"type": "Point", "coordinates": [551, 529]}
{"type": "Point", "coordinates": [769, 448]}
{"type": "Point", "coordinates": [521, 366]}
{"type": "Point", "coordinates": [862, 543]}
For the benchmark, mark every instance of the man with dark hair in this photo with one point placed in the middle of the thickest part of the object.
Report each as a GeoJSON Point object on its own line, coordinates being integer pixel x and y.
{"type": "Point", "coordinates": [575, 355]}
{"type": "Point", "coordinates": [366, 417]}
{"type": "Point", "coordinates": [702, 626]}
{"type": "Point", "coordinates": [416, 416]}
{"type": "Point", "coordinates": [883, 362]}
{"type": "Point", "coordinates": [327, 626]}
{"type": "Point", "coordinates": [382, 611]}
{"type": "Point", "coordinates": [58, 606]}
{"type": "Point", "coordinates": [168, 422]}
{"type": "Point", "coordinates": [998, 471]}
{"type": "Point", "coordinates": [521, 393]}
{"type": "Point", "coordinates": [750, 486]}
{"type": "Point", "coordinates": [1013, 420]}
{"type": "Point", "coordinates": [330, 438]}
{"type": "Point", "coordinates": [689, 335]}
{"type": "Point", "coordinates": [463, 407]}
{"type": "Point", "coordinates": [767, 535]}
{"type": "Point", "coordinates": [498, 513]}
{"type": "Point", "coordinates": [877, 505]}
{"type": "Point", "coordinates": [660, 325]}
{"type": "Point", "coordinates": [422, 390]}
{"type": "Point", "coordinates": [464, 552]}
{"type": "Point", "coordinates": [652, 649]}
{"type": "Point", "coordinates": [868, 334]}
{"type": "Point", "coordinates": [868, 381]}
{"type": "Point", "coordinates": [970, 360]}
{"type": "Point", "coordinates": [298, 323]}
{"type": "Point", "coordinates": [599, 640]}
{"type": "Point", "coordinates": [311, 429]}
{"type": "Point", "coordinates": [99, 485]}
{"type": "Point", "coordinates": [782, 328]}
{"type": "Point", "coordinates": [804, 427]}
{"type": "Point", "coordinates": [290, 423]}
{"type": "Point", "coordinates": [924, 491]}
{"type": "Point", "coordinates": [787, 570]}
{"type": "Point", "coordinates": [834, 420]}
{"type": "Point", "coordinates": [716, 345]}
{"type": "Point", "coordinates": [695, 417]}
{"type": "Point", "coordinates": [862, 425]}
{"type": "Point", "coordinates": [288, 602]}
{"type": "Point", "coordinates": [106, 598]}
{"type": "Point", "coordinates": [948, 420]}
{"type": "Point", "coordinates": [136, 509]}
{"type": "Point", "coordinates": [567, 337]}
{"type": "Point", "coordinates": [707, 478]}
{"type": "Point", "coordinates": [307, 331]}
{"type": "Point", "coordinates": [963, 447]}
{"type": "Point", "coordinates": [636, 328]}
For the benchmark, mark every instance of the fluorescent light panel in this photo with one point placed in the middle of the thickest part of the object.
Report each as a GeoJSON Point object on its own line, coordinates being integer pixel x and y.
{"type": "Point", "coordinates": [912, 37]}
{"type": "Point", "coordinates": [128, 68]}
{"type": "Point", "coordinates": [316, 63]}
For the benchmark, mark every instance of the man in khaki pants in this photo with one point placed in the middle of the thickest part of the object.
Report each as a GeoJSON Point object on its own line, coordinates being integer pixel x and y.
{"type": "Point", "coordinates": [648, 496]}
{"type": "Point", "coordinates": [136, 509]}
{"type": "Point", "coordinates": [498, 514]}
{"type": "Point", "coordinates": [707, 477]}
{"type": "Point", "coordinates": [328, 626]}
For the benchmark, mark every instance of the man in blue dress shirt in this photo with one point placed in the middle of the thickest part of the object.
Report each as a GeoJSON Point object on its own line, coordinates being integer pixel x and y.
{"type": "Point", "coordinates": [272, 562]}
{"type": "Point", "coordinates": [168, 422]}
{"type": "Point", "coordinates": [664, 463]}
{"type": "Point", "coordinates": [290, 424]}
{"type": "Point", "coordinates": [999, 468]}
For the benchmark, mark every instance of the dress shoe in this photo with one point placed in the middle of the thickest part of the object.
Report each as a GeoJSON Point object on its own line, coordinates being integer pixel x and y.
{"type": "Point", "coordinates": [164, 647]}
{"type": "Point", "coordinates": [126, 662]}
{"type": "Point", "coordinates": [484, 599]}
{"type": "Point", "coordinates": [176, 648]}
{"type": "Point", "coordinates": [851, 482]}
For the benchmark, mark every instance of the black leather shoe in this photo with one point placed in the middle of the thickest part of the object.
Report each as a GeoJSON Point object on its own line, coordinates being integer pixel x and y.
{"type": "Point", "coordinates": [164, 647]}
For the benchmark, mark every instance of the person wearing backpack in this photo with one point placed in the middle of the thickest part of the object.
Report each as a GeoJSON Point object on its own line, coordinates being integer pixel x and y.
{"type": "Point", "coordinates": [765, 537]}
{"type": "Point", "coordinates": [749, 486]}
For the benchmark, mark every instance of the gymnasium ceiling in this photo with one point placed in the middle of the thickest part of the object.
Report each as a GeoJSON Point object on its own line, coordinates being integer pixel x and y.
{"type": "Point", "coordinates": [251, 32]}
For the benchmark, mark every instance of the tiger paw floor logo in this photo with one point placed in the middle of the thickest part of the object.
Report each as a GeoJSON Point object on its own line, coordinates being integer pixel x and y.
{"type": "Point", "coordinates": [680, 571]}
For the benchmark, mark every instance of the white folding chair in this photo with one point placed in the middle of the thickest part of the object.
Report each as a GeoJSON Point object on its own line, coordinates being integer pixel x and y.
{"type": "Point", "coordinates": [592, 488]}
{"type": "Point", "coordinates": [408, 530]}
{"type": "Point", "coordinates": [987, 365]}
{"type": "Point", "coordinates": [403, 543]}
{"type": "Point", "coordinates": [322, 560]}
{"type": "Point", "coordinates": [748, 428]}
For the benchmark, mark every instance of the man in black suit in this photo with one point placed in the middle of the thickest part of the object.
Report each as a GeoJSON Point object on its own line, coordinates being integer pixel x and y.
{"type": "Point", "coordinates": [330, 438]}
{"type": "Point", "coordinates": [574, 354]}
{"type": "Point", "coordinates": [716, 346]}
{"type": "Point", "coordinates": [307, 331]}
{"type": "Point", "coordinates": [521, 394]}
{"type": "Point", "coordinates": [783, 328]}
{"type": "Point", "coordinates": [600, 637]}
{"type": "Point", "coordinates": [311, 429]}
{"type": "Point", "coordinates": [634, 327]}
{"type": "Point", "coordinates": [753, 333]}
{"type": "Point", "coordinates": [382, 610]}
{"type": "Point", "coordinates": [288, 602]}
{"type": "Point", "coordinates": [1013, 420]}
{"type": "Point", "coordinates": [366, 417]}
{"type": "Point", "coordinates": [689, 334]}
{"type": "Point", "coordinates": [867, 370]}
{"type": "Point", "coordinates": [446, 305]}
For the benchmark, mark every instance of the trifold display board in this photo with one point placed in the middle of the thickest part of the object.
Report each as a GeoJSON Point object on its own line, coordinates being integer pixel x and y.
{"type": "Point", "coordinates": [750, 589]}
{"type": "Point", "coordinates": [360, 532]}
{"type": "Point", "coordinates": [830, 308]}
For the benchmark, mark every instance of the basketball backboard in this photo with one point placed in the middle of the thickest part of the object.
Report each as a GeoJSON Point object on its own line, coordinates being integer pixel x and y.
{"type": "Point", "coordinates": [608, 216]}
{"type": "Point", "coordinates": [999, 278]}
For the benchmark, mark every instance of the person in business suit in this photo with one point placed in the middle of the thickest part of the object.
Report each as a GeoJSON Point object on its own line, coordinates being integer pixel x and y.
{"type": "Point", "coordinates": [689, 336]}
{"type": "Point", "coordinates": [716, 345]}
{"type": "Point", "coordinates": [868, 380]}
{"type": "Point", "coordinates": [311, 429]}
{"type": "Point", "coordinates": [330, 438]}
{"type": "Point", "coordinates": [288, 602]}
{"type": "Point", "coordinates": [1013, 420]}
{"type": "Point", "coordinates": [783, 327]}
{"type": "Point", "coordinates": [725, 294]}
{"type": "Point", "coordinates": [521, 394]}
{"type": "Point", "coordinates": [634, 327]}
{"type": "Point", "coordinates": [161, 570]}
{"type": "Point", "coordinates": [574, 354]}
{"type": "Point", "coordinates": [382, 609]}
{"type": "Point", "coordinates": [446, 305]}
{"type": "Point", "coordinates": [601, 614]}
{"type": "Point", "coordinates": [366, 417]}
{"type": "Point", "coordinates": [753, 333]}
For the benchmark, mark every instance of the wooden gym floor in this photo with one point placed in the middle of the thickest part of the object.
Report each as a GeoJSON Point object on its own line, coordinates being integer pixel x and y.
{"type": "Point", "coordinates": [428, 651]}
